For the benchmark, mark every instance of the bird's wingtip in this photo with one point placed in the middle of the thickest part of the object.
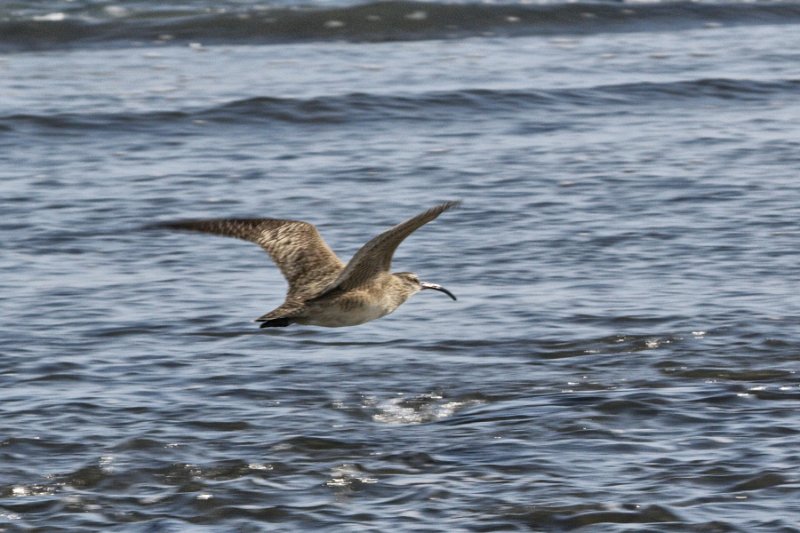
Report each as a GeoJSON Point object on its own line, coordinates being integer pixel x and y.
{"type": "Point", "coordinates": [447, 205]}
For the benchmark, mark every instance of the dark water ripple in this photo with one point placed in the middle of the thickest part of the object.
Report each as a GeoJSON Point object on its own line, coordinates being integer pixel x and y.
{"type": "Point", "coordinates": [426, 107]}
{"type": "Point", "coordinates": [382, 21]}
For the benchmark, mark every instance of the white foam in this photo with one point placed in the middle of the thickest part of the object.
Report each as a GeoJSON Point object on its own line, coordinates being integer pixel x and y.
{"type": "Point", "coordinates": [425, 408]}
{"type": "Point", "coordinates": [116, 11]}
{"type": "Point", "coordinates": [50, 17]}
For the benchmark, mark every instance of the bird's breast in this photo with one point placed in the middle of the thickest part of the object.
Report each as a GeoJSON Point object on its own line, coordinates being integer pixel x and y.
{"type": "Point", "coordinates": [350, 310]}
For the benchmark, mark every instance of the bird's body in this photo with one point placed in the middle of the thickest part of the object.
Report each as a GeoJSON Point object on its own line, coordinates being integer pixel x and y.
{"type": "Point", "coordinates": [355, 306]}
{"type": "Point", "coordinates": [323, 291]}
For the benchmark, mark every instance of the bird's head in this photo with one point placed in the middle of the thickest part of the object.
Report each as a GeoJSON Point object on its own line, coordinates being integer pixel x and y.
{"type": "Point", "coordinates": [414, 285]}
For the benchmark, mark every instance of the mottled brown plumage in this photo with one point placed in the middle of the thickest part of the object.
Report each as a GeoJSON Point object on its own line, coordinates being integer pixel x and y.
{"type": "Point", "coordinates": [322, 289]}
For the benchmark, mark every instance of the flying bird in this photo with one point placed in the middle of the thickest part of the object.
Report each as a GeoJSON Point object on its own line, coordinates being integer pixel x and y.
{"type": "Point", "coordinates": [324, 291]}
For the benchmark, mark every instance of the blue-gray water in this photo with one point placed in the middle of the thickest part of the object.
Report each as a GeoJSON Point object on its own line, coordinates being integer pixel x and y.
{"type": "Point", "coordinates": [624, 352]}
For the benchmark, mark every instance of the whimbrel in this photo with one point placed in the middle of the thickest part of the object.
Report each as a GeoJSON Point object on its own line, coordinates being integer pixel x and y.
{"type": "Point", "coordinates": [323, 291]}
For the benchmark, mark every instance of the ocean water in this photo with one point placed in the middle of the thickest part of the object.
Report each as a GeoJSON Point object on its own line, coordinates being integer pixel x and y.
{"type": "Point", "coordinates": [624, 352]}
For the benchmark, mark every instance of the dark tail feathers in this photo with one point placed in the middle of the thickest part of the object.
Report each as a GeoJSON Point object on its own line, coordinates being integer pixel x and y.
{"type": "Point", "coordinates": [276, 323]}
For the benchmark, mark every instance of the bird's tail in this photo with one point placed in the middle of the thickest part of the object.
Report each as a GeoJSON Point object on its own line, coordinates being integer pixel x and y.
{"type": "Point", "coordinates": [276, 323]}
{"type": "Point", "coordinates": [280, 317]}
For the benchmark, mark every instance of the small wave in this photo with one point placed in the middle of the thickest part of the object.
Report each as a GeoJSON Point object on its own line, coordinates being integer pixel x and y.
{"type": "Point", "coordinates": [762, 481]}
{"type": "Point", "coordinates": [316, 445]}
{"type": "Point", "coordinates": [766, 374]}
{"type": "Point", "coordinates": [428, 106]}
{"type": "Point", "coordinates": [568, 517]}
{"type": "Point", "coordinates": [377, 21]}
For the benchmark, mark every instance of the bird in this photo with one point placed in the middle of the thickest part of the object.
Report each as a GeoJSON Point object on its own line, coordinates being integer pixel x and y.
{"type": "Point", "coordinates": [324, 291]}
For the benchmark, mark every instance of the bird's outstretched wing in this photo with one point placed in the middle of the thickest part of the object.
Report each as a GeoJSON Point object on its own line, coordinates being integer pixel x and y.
{"type": "Point", "coordinates": [376, 255]}
{"type": "Point", "coordinates": [297, 248]}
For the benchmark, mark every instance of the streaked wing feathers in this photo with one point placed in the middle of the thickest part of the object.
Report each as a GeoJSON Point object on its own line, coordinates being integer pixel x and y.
{"type": "Point", "coordinates": [297, 248]}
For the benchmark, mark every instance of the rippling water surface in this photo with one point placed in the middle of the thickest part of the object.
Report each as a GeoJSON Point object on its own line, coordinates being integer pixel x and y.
{"type": "Point", "coordinates": [623, 355]}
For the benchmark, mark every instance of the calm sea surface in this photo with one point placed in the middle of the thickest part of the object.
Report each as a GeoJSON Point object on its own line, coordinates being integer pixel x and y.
{"type": "Point", "coordinates": [624, 353]}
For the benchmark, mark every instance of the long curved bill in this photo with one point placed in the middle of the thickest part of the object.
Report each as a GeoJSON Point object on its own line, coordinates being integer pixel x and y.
{"type": "Point", "coordinates": [435, 287]}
